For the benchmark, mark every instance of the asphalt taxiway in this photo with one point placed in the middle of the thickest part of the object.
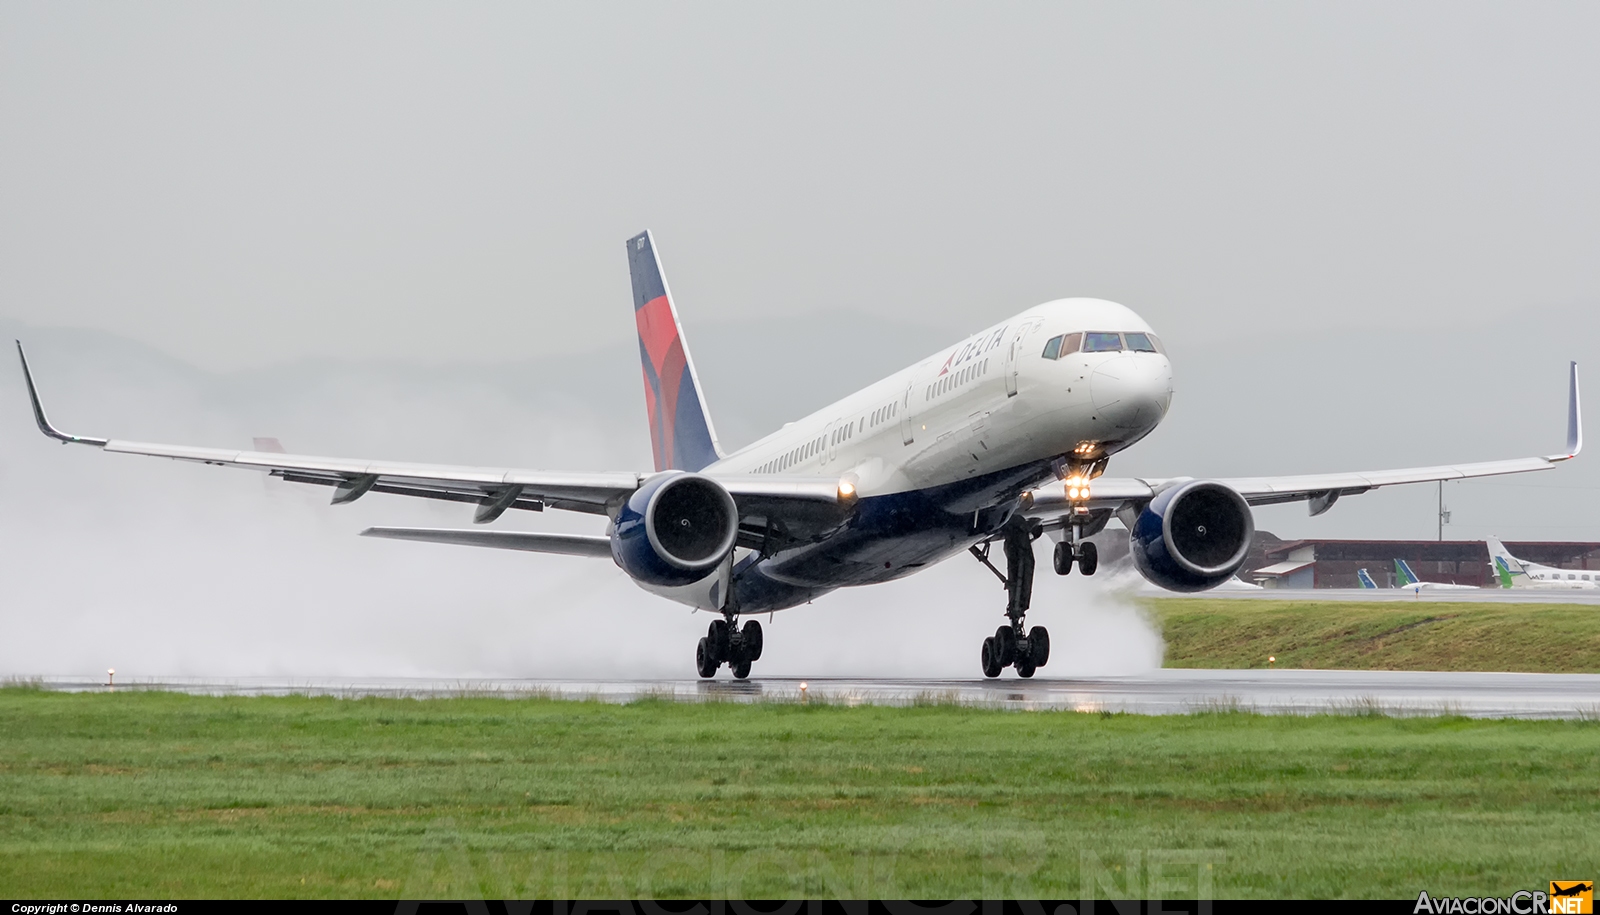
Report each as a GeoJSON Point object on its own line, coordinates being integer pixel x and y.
{"type": "Point", "coordinates": [1157, 692]}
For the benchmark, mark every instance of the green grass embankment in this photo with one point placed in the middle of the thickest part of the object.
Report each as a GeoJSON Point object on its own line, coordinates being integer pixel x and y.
{"type": "Point", "coordinates": [1383, 635]}
{"type": "Point", "coordinates": [161, 795]}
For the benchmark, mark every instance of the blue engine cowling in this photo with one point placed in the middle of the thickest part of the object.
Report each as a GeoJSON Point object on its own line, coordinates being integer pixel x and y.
{"type": "Point", "coordinates": [674, 529]}
{"type": "Point", "coordinates": [1193, 536]}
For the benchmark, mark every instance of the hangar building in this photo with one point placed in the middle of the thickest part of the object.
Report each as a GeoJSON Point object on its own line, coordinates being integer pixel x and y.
{"type": "Point", "coordinates": [1333, 563]}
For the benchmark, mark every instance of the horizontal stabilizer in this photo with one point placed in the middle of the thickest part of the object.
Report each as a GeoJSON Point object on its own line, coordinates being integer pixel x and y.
{"type": "Point", "coordinates": [566, 544]}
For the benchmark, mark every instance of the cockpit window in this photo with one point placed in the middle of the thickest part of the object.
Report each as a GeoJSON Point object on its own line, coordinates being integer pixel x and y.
{"type": "Point", "coordinates": [1140, 343]}
{"type": "Point", "coordinates": [1101, 342]}
{"type": "Point", "coordinates": [1070, 344]}
{"type": "Point", "coordinates": [1052, 349]}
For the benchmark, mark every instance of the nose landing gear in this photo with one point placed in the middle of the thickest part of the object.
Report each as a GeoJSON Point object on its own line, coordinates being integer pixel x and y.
{"type": "Point", "coordinates": [1076, 548]}
{"type": "Point", "coordinates": [1086, 554]}
{"type": "Point", "coordinates": [726, 643]}
{"type": "Point", "coordinates": [1015, 645]}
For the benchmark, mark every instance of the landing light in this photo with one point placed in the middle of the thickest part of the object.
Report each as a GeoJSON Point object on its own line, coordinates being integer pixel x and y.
{"type": "Point", "coordinates": [1077, 488]}
{"type": "Point", "coordinates": [847, 490]}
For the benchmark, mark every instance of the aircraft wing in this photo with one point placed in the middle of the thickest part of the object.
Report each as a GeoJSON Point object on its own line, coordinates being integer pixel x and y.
{"type": "Point", "coordinates": [493, 490]}
{"type": "Point", "coordinates": [1321, 490]}
{"type": "Point", "coordinates": [565, 544]}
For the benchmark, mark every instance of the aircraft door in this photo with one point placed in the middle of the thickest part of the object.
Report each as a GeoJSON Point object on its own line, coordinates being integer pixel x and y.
{"type": "Point", "coordinates": [829, 449]}
{"type": "Point", "coordinates": [907, 436]}
{"type": "Point", "coordinates": [1014, 355]}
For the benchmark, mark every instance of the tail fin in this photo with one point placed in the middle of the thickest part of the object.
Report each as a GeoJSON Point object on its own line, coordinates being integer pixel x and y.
{"type": "Point", "coordinates": [1403, 574]}
{"type": "Point", "coordinates": [1505, 565]}
{"type": "Point", "coordinates": [1365, 579]}
{"type": "Point", "coordinates": [681, 434]}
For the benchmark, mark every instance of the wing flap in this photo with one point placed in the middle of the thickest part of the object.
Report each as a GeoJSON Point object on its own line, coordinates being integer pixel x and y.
{"type": "Point", "coordinates": [1112, 492]}
{"type": "Point", "coordinates": [563, 544]}
{"type": "Point", "coordinates": [452, 483]}
{"type": "Point", "coordinates": [1268, 490]}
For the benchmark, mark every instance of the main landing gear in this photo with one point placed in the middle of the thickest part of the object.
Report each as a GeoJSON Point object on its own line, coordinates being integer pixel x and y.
{"type": "Point", "coordinates": [1014, 644]}
{"type": "Point", "coordinates": [726, 643]}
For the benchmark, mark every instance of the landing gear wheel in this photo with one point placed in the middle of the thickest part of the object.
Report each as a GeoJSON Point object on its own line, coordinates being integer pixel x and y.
{"type": "Point", "coordinates": [1024, 668]}
{"type": "Point", "coordinates": [1039, 642]}
{"type": "Point", "coordinates": [741, 669]}
{"type": "Point", "coordinates": [1005, 643]}
{"type": "Point", "coordinates": [1088, 558]}
{"type": "Point", "coordinates": [717, 636]}
{"type": "Point", "coordinates": [990, 659]}
{"type": "Point", "coordinates": [704, 663]}
{"type": "Point", "coordinates": [751, 637]}
{"type": "Point", "coordinates": [1063, 558]}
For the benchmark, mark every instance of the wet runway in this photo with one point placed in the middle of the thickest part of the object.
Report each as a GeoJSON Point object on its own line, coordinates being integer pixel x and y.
{"type": "Point", "coordinates": [1159, 692]}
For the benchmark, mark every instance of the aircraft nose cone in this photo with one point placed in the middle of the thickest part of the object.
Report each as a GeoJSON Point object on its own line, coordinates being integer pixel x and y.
{"type": "Point", "coordinates": [1133, 390]}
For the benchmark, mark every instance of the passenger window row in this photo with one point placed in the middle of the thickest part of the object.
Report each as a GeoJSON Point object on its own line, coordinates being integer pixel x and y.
{"type": "Point", "coordinates": [1100, 342]}
{"type": "Point", "coordinates": [884, 414]}
{"type": "Point", "coordinates": [796, 455]}
{"type": "Point", "coordinates": [951, 382]}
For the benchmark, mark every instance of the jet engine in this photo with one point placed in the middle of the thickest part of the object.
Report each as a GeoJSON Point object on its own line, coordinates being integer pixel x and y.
{"type": "Point", "coordinates": [1192, 536]}
{"type": "Point", "coordinates": [674, 529]}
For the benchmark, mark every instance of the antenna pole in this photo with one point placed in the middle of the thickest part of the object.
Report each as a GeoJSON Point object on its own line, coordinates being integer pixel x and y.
{"type": "Point", "coordinates": [1444, 514]}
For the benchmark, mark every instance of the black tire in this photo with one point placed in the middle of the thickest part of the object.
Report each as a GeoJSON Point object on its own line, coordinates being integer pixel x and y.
{"type": "Point", "coordinates": [741, 670]}
{"type": "Point", "coordinates": [1088, 558]}
{"type": "Point", "coordinates": [704, 663]}
{"type": "Point", "coordinates": [717, 635]}
{"type": "Point", "coordinates": [1039, 642]}
{"type": "Point", "coordinates": [1024, 668]}
{"type": "Point", "coordinates": [990, 659]}
{"type": "Point", "coordinates": [1005, 641]}
{"type": "Point", "coordinates": [751, 634]}
{"type": "Point", "coordinates": [1063, 558]}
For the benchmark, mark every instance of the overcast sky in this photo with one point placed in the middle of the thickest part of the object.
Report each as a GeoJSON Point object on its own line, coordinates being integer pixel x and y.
{"type": "Point", "coordinates": [241, 184]}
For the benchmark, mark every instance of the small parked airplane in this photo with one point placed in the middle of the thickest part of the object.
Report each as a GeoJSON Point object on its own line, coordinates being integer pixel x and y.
{"type": "Point", "coordinates": [997, 439]}
{"type": "Point", "coordinates": [1515, 573]}
{"type": "Point", "coordinates": [1411, 581]}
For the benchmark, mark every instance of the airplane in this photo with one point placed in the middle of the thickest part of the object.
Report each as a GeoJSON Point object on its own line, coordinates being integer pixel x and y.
{"type": "Point", "coordinates": [1365, 580]}
{"type": "Point", "coordinates": [997, 439]}
{"type": "Point", "coordinates": [1515, 573]}
{"type": "Point", "coordinates": [1411, 581]}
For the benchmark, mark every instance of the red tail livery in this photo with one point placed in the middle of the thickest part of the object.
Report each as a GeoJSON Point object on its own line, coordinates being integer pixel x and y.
{"type": "Point", "coordinates": [681, 435]}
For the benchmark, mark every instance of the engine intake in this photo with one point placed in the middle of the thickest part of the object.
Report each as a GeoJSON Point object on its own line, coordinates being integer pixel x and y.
{"type": "Point", "coordinates": [1193, 536]}
{"type": "Point", "coordinates": [674, 529]}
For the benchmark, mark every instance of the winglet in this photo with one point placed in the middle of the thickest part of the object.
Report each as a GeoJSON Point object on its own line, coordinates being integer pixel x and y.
{"type": "Point", "coordinates": [1574, 421]}
{"type": "Point", "coordinates": [38, 409]}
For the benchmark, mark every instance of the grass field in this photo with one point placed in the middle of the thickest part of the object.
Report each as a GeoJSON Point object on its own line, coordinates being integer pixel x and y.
{"type": "Point", "coordinates": [152, 794]}
{"type": "Point", "coordinates": [1386, 635]}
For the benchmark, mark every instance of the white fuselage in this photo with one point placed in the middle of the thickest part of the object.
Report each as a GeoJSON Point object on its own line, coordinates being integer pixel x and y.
{"type": "Point", "coordinates": [1545, 577]}
{"type": "Point", "coordinates": [985, 404]}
